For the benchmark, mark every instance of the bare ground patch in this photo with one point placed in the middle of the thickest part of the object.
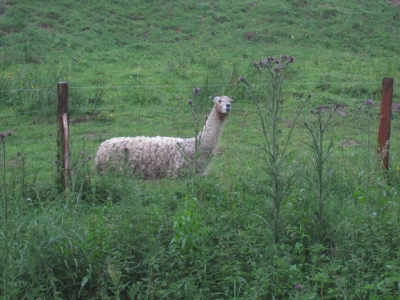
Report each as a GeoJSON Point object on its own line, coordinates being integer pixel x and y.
{"type": "Point", "coordinates": [394, 2]}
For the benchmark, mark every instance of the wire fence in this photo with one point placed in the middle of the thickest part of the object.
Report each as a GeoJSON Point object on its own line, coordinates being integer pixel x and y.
{"type": "Point", "coordinates": [184, 86]}
{"type": "Point", "coordinates": [36, 130]}
{"type": "Point", "coordinates": [318, 88]}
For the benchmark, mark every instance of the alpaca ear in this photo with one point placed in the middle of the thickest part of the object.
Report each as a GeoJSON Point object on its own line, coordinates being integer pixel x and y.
{"type": "Point", "coordinates": [215, 99]}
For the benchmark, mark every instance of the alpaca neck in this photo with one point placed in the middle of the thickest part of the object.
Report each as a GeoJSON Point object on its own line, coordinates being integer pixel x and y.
{"type": "Point", "coordinates": [208, 138]}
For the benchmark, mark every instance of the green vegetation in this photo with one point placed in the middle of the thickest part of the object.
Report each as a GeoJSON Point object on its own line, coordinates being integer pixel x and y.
{"type": "Point", "coordinates": [131, 67]}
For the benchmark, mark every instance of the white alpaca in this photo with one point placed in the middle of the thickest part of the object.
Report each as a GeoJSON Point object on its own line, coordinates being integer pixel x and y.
{"type": "Point", "coordinates": [158, 157]}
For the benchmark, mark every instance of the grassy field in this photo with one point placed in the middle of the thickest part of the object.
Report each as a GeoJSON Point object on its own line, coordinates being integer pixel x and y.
{"type": "Point", "coordinates": [323, 223]}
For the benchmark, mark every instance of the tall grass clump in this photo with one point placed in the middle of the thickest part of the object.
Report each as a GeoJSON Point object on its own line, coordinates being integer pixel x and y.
{"type": "Point", "coordinates": [268, 100]}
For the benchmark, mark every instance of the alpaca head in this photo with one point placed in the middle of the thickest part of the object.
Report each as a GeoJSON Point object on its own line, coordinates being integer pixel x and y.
{"type": "Point", "coordinates": [223, 105]}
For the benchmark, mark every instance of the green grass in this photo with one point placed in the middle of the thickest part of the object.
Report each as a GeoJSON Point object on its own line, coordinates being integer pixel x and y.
{"type": "Point", "coordinates": [131, 67]}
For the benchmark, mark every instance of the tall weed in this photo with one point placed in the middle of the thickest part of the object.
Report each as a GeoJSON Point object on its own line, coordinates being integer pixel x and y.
{"type": "Point", "coordinates": [322, 170]}
{"type": "Point", "coordinates": [5, 234]}
{"type": "Point", "coordinates": [269, 106]}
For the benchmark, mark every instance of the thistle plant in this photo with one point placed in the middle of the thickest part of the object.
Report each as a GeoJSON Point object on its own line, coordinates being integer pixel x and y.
{"type": "Point", "coordinates": [320, 152]}
{"type": "Point", "coordinates": [269, 108]}
{"type": "Point", "coordinates": [3, 138]}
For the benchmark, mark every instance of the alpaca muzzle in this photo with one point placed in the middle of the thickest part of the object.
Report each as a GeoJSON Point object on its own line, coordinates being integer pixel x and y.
{"type": "Point", "coordinates": [227, 108]}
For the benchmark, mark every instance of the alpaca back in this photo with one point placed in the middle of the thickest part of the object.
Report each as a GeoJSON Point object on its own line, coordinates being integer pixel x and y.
{"type": "Point", "coordinates": [147, 157]}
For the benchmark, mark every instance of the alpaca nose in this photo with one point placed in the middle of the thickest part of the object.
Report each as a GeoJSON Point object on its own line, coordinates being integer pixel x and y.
{"type": "Point", "coordinates": [228, 106]}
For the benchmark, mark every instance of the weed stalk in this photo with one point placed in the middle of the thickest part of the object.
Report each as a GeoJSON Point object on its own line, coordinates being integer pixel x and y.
{"type": "Point", "coordinates": [369, 110]}
{"type": "Point", "coordinates": [320, 156]}
{"type": "Point", "coordinates": [3, 137]}
{"type": "Point", "coordinates": [196, 107]}
{"type": "Point", "coordinates": [269, 113]}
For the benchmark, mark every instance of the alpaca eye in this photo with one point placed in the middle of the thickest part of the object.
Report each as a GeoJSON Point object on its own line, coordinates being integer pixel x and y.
{"type": "Point", "coordinates": [219, 101]}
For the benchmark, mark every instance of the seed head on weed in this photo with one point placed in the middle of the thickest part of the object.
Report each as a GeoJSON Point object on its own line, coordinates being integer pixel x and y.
{"type": "Point", "coordinates": [276, 66]}
{"type": "Point", "coordinates": [4, 135]}
{"type": "Point", "coordinates": [369, 102]}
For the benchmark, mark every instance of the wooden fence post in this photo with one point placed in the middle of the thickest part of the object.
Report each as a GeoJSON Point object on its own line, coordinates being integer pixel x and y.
{"type": "Point", "coordinates": [384, 123]}
{"type": "Point", "coordinates": [63, 131]}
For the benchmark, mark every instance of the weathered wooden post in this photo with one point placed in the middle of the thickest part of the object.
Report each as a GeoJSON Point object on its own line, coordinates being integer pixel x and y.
{"type": "Point", "coordinates": [63, 131]}
{"type": "Point", "coordinates": [384, 123]}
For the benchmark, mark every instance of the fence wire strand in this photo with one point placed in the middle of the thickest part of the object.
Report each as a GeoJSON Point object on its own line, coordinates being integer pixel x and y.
{"type": "Point", "coordinates": [181, 86]}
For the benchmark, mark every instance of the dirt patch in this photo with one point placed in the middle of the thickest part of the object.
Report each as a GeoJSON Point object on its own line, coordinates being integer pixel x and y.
{"type": "Point", "coordinates": [394, 2]}
{"type": "Point", "coordinates": [84, 118]}
{"type": "Point", "coordinates": [339, 109]}
{"type": "Point", "coordinates": [396, 107]}
{"type": "Point", "coordinates": [341, 112]}
{"type": "Point", "coordinates": [250, 35]}
{"type": "Point", "coordinates": [351, 143]}
{"type": "Point", "coordinates": [252, 4]}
